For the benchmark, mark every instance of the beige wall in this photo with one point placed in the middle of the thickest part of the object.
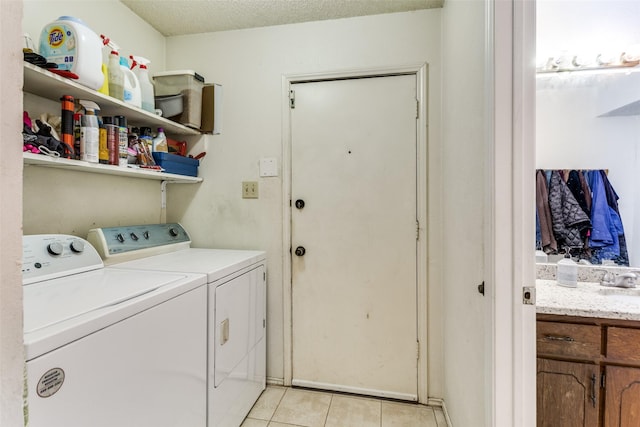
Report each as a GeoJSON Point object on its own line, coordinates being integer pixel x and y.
{"type": "Point", "coordinates": [464, 197]}
{"type": "Point", "coordinates": [250, 65]}
{"type": "Point", "coordinates": [11, 354]}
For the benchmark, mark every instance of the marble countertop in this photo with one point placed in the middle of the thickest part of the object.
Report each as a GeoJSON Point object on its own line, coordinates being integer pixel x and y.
{"type": "Point", "coordinates": [587, 300]}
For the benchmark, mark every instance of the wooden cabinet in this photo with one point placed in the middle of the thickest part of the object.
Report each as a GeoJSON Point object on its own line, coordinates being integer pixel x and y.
{"type": "Point", "coordinates": [568, 374]}
{"type": "Point", "coordinates": [623, 397]}
{"type": "Point", "coordinates": [568, 394]}
{"type": "Point", "coordinates": [568, 340]}
{"type": "Point", "coordinates": [588, 372]}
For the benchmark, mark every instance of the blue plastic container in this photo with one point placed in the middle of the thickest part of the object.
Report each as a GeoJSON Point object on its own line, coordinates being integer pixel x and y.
{"type": "Point", "coordinates": [172, 163]}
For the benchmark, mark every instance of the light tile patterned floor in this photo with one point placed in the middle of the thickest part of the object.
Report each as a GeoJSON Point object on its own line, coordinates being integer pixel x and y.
{"type": "Point", "coordinates": [288, 407]}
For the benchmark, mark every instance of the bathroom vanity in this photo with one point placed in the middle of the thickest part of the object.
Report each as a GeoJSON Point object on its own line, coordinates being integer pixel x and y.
{"type": "Point", "coordinates": [588, 349]}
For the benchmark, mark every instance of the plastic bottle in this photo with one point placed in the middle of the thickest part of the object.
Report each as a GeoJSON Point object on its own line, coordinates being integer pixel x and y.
{"type": "Point", "coordinates": [73, 46]}
{"type": "Point", "coordinates": [567, 273]}
{"type": "Point", "coordinates": [112, 140]}
{"type": "Point", "coordinates": [105, 86]}
{"type": "Point", "coordinates": [160, 142]}
{"type": "Point", "coordinates": [123, 141]}
{"type": "Point", "coordinates": [140, 68]}
{"type": "Point", "coordinates": [89, 137]}
{"type": "Point", "coordinates": [131, 85]}
{"type": "Point", "coordinates": [89, 132]}
{"type": "Point", "coordinates": [116, 76]}
{"type": "Point", "coordinates": [103, 149]}
{"type": "Point", "coordinates": [77, 132]}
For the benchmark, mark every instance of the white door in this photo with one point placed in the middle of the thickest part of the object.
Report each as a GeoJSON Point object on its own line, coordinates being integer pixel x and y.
{"type": "Point", "coordinates": [354, 312]}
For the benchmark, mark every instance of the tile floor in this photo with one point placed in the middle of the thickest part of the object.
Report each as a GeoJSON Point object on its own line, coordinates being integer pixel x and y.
{"type": "Point", "coordinates": [289, 407]}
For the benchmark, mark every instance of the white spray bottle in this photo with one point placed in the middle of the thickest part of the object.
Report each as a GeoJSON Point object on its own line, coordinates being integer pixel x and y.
{"type": "Point", "coordinates": [140, 66]}
{"type": "Point", "coordinates": [89, 132]}
{"type": "Point", "coordinates": [132, 93]}
{"type": "Point", "coordinates": [115, 75]}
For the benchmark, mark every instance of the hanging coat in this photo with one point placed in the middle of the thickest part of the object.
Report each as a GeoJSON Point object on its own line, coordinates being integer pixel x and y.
{"type": "Point", "coordinates": [569, 220]}
{"type": "Point", "coordinates": [543, 215]}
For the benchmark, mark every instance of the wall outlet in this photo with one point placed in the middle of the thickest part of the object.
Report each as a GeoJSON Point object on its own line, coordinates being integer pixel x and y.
{"type": "Point", "coordinates": [249, 189]}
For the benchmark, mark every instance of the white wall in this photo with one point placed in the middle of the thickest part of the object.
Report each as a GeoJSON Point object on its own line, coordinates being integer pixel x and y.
{"type": "Point", "coordinates": [11, 353]}
{"type": "Point", "coordinates": [464, 198]}
{"type": "Point", "coordinates": [250, 65]}
{"type": "Point", "coordinates": [569, 131]}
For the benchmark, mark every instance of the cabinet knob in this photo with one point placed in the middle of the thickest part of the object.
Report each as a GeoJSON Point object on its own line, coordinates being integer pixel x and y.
{"type": "Point", "coordinates": [300, 251]}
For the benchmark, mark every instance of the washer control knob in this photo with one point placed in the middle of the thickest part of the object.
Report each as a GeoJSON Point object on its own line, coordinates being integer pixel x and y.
{"type": "Point", "coordinates": [134, 236]}
{"type": "Point", "coordinates": [173, 232]}
{"type": "Point", "coordinates": [120, 238]}
{"type": "Point", "coordinates": [55, 248]}
{"type": "Point", "coordinates": [77, 246]}
{"type": "Point", "coordinates": [146, 235]}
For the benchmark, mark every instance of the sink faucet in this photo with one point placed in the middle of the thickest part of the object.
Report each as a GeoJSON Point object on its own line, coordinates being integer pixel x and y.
{"type": "Point", "coordinates": [626, 280]}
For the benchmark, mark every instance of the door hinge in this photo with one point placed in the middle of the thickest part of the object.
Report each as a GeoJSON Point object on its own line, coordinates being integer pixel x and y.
{"type": "Point", "coordinates": [529, 295]}
{"type": "Point", "coordinates": [417, 350]}
{"type": "Point", "coordinates": [417, 230]}
{"type": "Point", "coordinates": [417, 109]}
{"type": "Point", "coordinates": [292, 99]}
{"type": "Point", "coordinates": [264, 276]}
{"type": "Point", "coordinates": [603, 381]}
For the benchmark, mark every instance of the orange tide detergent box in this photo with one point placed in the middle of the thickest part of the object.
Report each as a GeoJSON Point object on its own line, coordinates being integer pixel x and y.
{"type": "Point", "coordinates": [70, 44]}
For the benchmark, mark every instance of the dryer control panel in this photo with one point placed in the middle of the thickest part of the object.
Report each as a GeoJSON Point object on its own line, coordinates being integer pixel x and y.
{"type": "Point", "coordinates": [118, 244]}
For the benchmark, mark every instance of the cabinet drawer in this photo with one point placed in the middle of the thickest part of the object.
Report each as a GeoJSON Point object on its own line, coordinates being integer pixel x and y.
{"type": "Point", "coordinates": [623, 344]}
{"type": "Point", "coordinates": [568, 340]}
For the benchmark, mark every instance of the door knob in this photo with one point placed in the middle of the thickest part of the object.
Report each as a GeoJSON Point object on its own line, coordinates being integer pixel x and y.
{"type": "Point", "coordinates": [300, 251]}
{"type": "Point", "coordinates": [299, 203]}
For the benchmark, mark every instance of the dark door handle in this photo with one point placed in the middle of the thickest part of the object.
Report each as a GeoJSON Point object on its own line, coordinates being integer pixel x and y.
{"type": "Point", "coordinates": [299, 203]}
{"type": "Point", "coordinates": [300, 251]}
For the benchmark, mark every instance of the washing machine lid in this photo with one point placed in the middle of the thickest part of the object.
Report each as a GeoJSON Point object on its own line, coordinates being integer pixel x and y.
{"type": "Point", "coordinates": [61, 310]}
{"type": "Point", "coordinates": [215, 263]}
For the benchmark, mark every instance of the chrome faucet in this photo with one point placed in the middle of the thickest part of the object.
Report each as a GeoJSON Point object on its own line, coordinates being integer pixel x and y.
{"type": "Point", "coordinates": [625, 280]}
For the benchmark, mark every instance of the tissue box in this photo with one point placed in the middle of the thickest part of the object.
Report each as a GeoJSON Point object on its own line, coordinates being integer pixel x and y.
{"type": "Point", "coordinates": [172, 163]}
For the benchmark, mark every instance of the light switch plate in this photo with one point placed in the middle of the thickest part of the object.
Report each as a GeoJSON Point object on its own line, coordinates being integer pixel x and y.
{"type": "Point", "coordinates": [249, 189]}
{"type": "Point", "coordinates": [268, 167]}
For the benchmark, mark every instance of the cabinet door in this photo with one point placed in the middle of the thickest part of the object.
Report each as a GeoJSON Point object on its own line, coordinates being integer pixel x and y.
{"type": "Point", "coordinates": [568, 394]}
{"type": "Point", "coordinates": [622, 408]}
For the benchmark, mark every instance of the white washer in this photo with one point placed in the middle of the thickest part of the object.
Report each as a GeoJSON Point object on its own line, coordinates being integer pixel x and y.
{"type": "Point", "coordinates": [109, 347]}
{"type": "Point", "coordinates": [237, 307]}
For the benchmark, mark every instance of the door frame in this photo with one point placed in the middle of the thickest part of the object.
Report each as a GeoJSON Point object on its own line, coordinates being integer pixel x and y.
{"type": "Point", "coordinates": [510, 362]}
{"type": "Point", "coordinates": [420, 71]}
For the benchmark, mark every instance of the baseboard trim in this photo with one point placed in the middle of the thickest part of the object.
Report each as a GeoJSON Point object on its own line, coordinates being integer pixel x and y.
{"type": "Point", "coordinates": [275, 381]}
{"type": "Point", "coordinates": [440, 402]}
{"type": "Point", "coordinates": [355, 390]}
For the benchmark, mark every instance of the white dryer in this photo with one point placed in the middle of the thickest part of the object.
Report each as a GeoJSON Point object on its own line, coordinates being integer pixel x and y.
{"type": "Point", "coordinates": [110, 347]}
{"type": "Point", "coordinates": [236, 300]}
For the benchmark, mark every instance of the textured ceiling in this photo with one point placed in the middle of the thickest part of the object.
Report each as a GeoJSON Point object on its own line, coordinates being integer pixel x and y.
{"type": "Point", "coordinates": [178, 17]}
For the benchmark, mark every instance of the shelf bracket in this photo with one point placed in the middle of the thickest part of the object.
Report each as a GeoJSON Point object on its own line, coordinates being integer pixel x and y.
{"type": "Point", "coordinates": [163, 198]}
{"type": "Point", "coordinates": [163, 202]}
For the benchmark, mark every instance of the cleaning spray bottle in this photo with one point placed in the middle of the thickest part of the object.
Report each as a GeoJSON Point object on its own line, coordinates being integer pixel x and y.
{"type": "Point", "coordinates": [115, 76]}
{"type": "Point", "coordinates": [132, 93]}
{"type": "Point", "coordinates": [89, 132]}
{"type": "Point", "coordinates": [140, 67]}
